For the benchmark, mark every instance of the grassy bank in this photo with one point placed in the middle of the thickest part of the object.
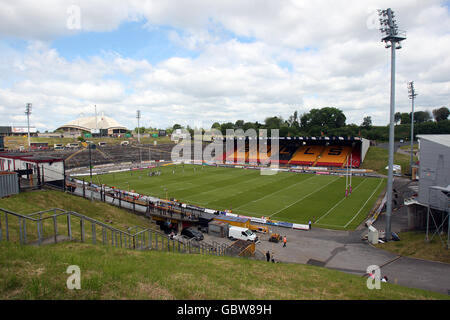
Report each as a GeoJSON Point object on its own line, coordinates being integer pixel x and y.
{"type": "Point", "coordinates": [29, 202]}
{"type": "Point", "coordinates": [377, 159]}
{"type": "Point", "coordinates": [111, 273]}
{"type": "Point", "coordinates": [413, 244]}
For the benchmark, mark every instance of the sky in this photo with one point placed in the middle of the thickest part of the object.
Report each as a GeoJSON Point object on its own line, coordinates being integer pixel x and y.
{"type": "Point", "coordinates": [197, 62]}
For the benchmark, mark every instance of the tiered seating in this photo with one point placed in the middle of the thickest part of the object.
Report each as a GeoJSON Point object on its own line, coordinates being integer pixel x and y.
{"type": "Point", "coordinates": [286, 153]}
{"type": "Point", "coordinates": [356, 158]}
{"type": "Point", "coordinates": [252, 157]}
{"type": "Point", "coordinates": [264, 157]}
{"type": "Point", "coordinates": [334, 156]}
{"type": "Point", "coordinates": [231, 157]}
{"type": "Point", "coordinates": [306, 155]}
{"type": "Point", "coordinates": [242, 155]}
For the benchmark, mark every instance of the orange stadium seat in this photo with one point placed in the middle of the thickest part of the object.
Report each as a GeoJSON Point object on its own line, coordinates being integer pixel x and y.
{"type": "Point", "coordinates": [334, 156]}
{"type": "Point", "coordinates": [306, 155]}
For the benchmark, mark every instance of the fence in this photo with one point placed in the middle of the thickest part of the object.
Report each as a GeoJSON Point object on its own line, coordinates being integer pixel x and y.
{"type": "Point", "coordinates": [9, 184]}
{"type": "Point", "coordinates": [47, 227]}
{"type": "Point", "coordinates": [149, 206]}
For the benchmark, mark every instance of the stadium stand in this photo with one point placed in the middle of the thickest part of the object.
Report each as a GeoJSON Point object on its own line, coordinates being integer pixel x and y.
{"type": "Point", "coordinates": [304, 151]}
{"type": "Point", "coordinates": [241, 155]}
{"type": "Point", "coordinates": [286, 152]}
{"type": "Point", "coordinates": [306, 155]}
{"type": "Point", "coordinates": [356, 157]}
{"type": "Point", "coordinates": [334, 156]}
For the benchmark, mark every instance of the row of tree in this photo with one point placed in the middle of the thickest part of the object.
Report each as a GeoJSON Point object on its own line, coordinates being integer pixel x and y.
{"type": "Point", "coordinates": [330, 121]}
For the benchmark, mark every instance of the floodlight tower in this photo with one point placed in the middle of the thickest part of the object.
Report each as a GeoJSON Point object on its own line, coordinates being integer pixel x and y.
{"type": "Point", "coordinates": [392, 38]}
{"type": "Point", "coordinates": [138, 116]}
{"type": "Point", "coordinates": [28, 112]}
{"type": "Point", "coordinates": [412, 94]}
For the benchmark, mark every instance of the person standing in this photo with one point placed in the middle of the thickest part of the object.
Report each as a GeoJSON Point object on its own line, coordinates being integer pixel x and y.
{"type": "Point", "coordinates": [268, 256]}
{"type": "Point", "coordinates": [309, 224]}
{"type": "Point", "coordinates": [284, 241]}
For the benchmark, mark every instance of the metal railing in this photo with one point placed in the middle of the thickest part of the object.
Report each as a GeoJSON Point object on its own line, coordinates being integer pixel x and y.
{"type": "Point", "coordinates": [35, 226]}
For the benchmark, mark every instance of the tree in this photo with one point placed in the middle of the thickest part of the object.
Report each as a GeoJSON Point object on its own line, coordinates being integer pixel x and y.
{"type": "Point", "coordinates": [327, 117]}
{"type": "Point", "coordinates": [141, 129]}
{"type": "Point", "coordinates": [405, 118]}
{"type": "Point", "coordinates": [367, 122]}
{"type": "Point", "coordinates": [397, 117]}
{"type": "Point", "coordinates": [274, 123]}
{"type": "Point", "coordinates": [239, 124]}
{"type": "Point", "coordinates": [176, 126]}
{"type": "Point", "coordinates": [216, 125]}
{"type": "Point", "coordinates": [422, 116]}
{"type": "Point", "coordinates": [441, 114]}
{"type": "Point", "coordinates": [225, 126]}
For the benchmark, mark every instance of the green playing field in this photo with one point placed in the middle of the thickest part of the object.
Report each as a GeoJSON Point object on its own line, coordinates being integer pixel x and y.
{"type": "Point", "coordinates": [285, 196]}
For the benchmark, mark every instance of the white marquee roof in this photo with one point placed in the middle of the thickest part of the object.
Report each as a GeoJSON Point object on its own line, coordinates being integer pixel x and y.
{"type": "Point", "coordinates": [88, 123]}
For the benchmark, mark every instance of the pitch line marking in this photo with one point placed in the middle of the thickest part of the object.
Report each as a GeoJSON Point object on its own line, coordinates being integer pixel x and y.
{"type": "Point", "coordinates": [323, 216]}
{"type": "Point", "coordinates": [215, 189]}
{"type": "Point", "coordinates": [267, 195]}
{"type": "Point", "coordinates": [364, 203]}
{"type": "Point", "coordinates": [304, 197]}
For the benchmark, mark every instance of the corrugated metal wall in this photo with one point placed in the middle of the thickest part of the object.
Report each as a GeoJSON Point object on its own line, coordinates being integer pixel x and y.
{"type": "Point", "coordinates": [9, 184]}
{"type": "Point", "coordinates": [434, 167]}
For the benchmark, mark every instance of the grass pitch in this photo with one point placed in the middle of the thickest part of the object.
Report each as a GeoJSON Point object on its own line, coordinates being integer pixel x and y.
{"type": "Point", "coordinates": [285, 196]}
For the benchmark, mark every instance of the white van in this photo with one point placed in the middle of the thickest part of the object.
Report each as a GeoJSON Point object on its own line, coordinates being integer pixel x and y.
{"type": "Point", "coordinates": [102, 144]}
{"type": "Point", "coordinates": [72, 145]}
{"type": "Point", "coordinates": [124, 143]}
{"type": "Point", "coordinates": [238, 233]}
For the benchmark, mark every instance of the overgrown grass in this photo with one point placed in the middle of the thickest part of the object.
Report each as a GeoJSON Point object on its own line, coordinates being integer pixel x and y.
{"type": "Point", "coordinates": [377, 159]}
{"type": "Point", "coordinates": [111, 273]}
{"type": "Point", "coordinates": [413, 244]}
{"type": "Point", "coordinates": [29, 202]}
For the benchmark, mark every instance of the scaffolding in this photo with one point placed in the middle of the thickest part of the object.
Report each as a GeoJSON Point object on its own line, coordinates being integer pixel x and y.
{"type": "Point", "coordinates": [438, 210]}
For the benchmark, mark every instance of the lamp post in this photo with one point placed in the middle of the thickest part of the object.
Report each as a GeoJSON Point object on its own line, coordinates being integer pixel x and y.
{"type": "Point", "coordinates": [392, 38]}
{"type": "Point", "coordinates": [90, 161]}
{"type": "Point", "coordinates": [138, 116]}
{"type": "Point", "coordinates": [28, 112]}
{"type": "Point", "coordinates": [412, 94]}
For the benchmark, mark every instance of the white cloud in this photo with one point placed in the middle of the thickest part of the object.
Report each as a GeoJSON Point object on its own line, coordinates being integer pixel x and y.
{"type": "Point", "coordinates": [299, 55]}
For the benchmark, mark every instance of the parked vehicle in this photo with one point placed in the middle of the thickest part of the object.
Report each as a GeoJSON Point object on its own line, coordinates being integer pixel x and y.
{"type": "Point", "coordinates": [124, 143]}
{"type": "Point", "coordinates": [72, 145]}
{"type": "Point", "coordinates": [102, 144]}
{"type": "Point", "coordinates": [192, 233]}
{"type": "Point", "coordinates": [238, 233]}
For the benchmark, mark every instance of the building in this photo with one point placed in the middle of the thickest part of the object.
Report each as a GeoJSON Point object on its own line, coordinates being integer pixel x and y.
{"type": "Point", "coordinates": [102, 125]}
{"type": "Point", "coordinates": [17, 131]}
{"type": "Point", "coordinates": [430, 208]}
{"type": "Point", "coordinates": [36, 169]}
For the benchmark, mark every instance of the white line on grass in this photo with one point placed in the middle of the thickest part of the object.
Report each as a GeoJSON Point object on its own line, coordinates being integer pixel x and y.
{"type": "Point", "coordinates": [304, 197]}
{"type": "Point", "coordinates": [215, 189]}
{"type": "Point", "coordinates": [323, 216]}
{"type": "Point", "coordinates": [364, 203]}
{"type": "Point", "coordinates": [275, 192]}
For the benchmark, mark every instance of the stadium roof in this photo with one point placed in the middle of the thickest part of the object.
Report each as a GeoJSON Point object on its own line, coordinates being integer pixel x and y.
{"type": "Point", "coordinates": [89, 123]}
{"type": "Point", "coordinates": [443, 139]}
